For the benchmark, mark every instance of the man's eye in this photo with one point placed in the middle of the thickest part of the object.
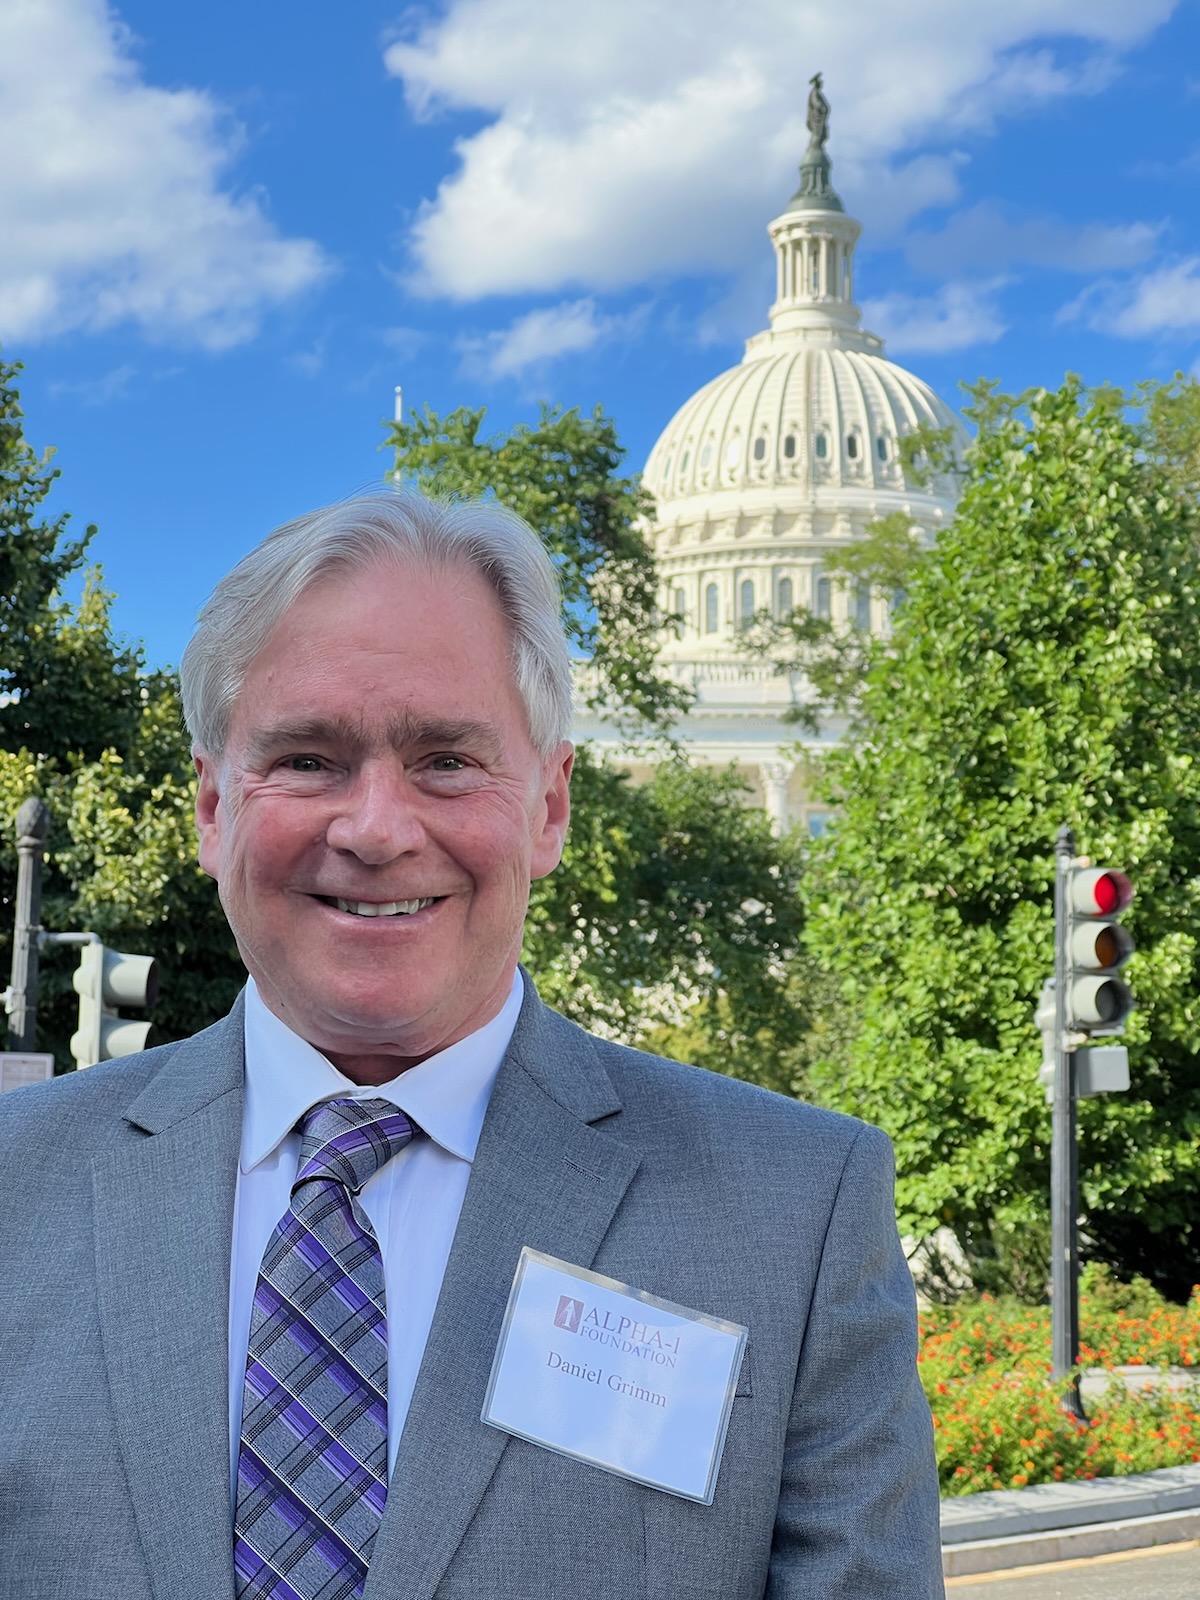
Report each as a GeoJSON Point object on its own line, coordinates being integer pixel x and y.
{"type": "Point", "coordinates": [304, 764]}
{"type": "Point", "coordinates": [448, 764]}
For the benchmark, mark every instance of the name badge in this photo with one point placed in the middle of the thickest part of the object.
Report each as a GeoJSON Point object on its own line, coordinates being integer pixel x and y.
{"type": "Point", "coordinates": [594, 1369]}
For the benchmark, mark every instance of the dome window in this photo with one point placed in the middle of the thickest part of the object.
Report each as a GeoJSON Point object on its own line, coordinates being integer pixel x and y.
{"type": "Point", "coordinates": [789, 446]}
{"type": "Point", "coordinates": [862, 607]}
{"type": "Point", "coordinates": [710, 608]}
{"type": "Point", "coordinates": [683, 465]}
{"type": "Point", "coordinates": [760, 448]}
{"type": "Point", "coordinates": [823, 594]}
{"type": "Point", "coordinates": [852, 446]}
{"type": "Point", "coordinates": [747, 598]}
{"type": "Point", "coordinates": [733, 451]}
{"type": "Point", "coordinates": [821, 447]}
{"type": "Point", "coordinates": [706, 456]}
{"type": "Point", "coordinates": [667, 469]}
{"type": "Point", "coordinates": [881, 447]}
{"type": "Point", "coordinates": [785, 601]}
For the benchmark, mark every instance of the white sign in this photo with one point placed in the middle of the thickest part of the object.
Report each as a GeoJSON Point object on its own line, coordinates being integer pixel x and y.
{"type": "Point", "coordinates": [594, 1369]}
{"type": "Point", "coordinates": [18, 1068]}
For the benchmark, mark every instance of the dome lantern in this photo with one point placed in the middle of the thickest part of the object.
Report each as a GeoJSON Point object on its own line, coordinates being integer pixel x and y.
{"type": "Point", "coordinates": [814, 243]}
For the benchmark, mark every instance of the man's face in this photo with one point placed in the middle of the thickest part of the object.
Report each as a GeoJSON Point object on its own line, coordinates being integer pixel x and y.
{"type": "Point", "coordinates": [378, 814]}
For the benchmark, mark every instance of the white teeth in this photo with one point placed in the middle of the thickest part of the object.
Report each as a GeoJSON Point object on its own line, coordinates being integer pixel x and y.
{"type": "Point", "coordinates": [388, 908]}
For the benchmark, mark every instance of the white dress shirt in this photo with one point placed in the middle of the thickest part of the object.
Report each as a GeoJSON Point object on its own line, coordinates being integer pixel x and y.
{"type": "Point", "coordinates": [413, 1202]}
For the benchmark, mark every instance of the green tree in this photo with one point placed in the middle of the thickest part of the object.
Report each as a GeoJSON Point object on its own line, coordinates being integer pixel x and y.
{"type": "Point", "coordinates": [1172, 416]}
{"type": "Point", "coordinates": [100, 739]}
{"type": "Point", "coordinates": [1043, 670]}
{"type": "Point", "coordinates": [672, 918]}
{"type": "Point", "coordinates": [65, 684]}
{"type": "Point", "coordinates": [128, 860]}
{"type": "Point", "coordinates": [563, 477]}
{"type": "Point", "coordinates": [35, 556]}
{"type": "Point", "coordinates": [121, 861]}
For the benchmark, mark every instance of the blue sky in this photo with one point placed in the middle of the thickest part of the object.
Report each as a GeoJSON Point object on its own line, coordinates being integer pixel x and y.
{"type": "Point", "coordinates": [230, 230]}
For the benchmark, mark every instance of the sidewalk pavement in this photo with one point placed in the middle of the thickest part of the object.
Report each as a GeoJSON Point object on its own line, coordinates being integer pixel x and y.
{"type": "Point", "coordinates": [1002, 1528]}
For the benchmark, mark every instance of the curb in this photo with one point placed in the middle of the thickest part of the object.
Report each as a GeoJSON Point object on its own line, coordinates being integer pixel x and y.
{"type": "Point", "coordinates": [1002, 1528]}
{"type": "Point", "coordinates": [1072, 1544]}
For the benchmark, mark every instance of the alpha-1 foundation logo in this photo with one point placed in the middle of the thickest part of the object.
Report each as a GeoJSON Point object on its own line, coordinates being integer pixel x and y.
{"type": "Point", "coordinates": [618, 1331]}
{"type": "Point", "coordinates": [569, 1314]}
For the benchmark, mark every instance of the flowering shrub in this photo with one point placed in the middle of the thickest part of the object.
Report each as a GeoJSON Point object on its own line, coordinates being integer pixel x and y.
{"type": "Point", "coordinates": [998, 1422]}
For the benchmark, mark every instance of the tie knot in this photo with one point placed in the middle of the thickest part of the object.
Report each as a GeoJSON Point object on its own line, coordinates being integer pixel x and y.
{"type": "Point", "coordinates": [349, 1140]}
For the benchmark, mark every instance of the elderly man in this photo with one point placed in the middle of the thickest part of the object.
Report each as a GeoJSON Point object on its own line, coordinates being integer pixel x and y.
{"type": "Point", "coordinates": [253, 1326]}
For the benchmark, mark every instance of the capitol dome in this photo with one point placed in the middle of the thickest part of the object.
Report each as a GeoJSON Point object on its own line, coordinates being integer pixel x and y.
{"type": "Point", "coordinates": [773, 468]}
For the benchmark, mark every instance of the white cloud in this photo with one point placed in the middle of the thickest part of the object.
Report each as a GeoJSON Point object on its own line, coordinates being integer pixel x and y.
{"type": "Point", "coordinates": [109, 386]}
{"type": "Point", "coordinates": [1163, 302]}
{"type": "Point", "coordinates": [890, 194]}
{"type": "Point", "coordinates": [988, 235]}
{"type": "Point", "coordinates": [957, 316]}
{"type": "Point", "coordinates": [1023, 79]}
{"type": "Point", "coordinates": [310, 362]}
{"type": "Point", "coordinates": [641, 137]}
{"type": "Point", "coordinates": [543, 336]}
{"type": "Point", "coordinates": [406, 342]}
{"type": "Point", "coordinates": [114, 202]}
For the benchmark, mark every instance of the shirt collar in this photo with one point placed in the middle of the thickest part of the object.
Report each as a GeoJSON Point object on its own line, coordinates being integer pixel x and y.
{"type": "Point", "coordinates": [446, 1095]}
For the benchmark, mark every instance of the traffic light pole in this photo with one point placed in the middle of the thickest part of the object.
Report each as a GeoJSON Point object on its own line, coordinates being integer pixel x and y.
{"type": "Point", "coordinates": [1064, 1153]}
{"type": "Point", "coordinates": [33, 824]}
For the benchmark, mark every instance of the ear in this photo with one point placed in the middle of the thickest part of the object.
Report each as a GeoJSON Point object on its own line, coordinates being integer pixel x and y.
{"type": "Point", "coordinates": [554, 812]}
{"type": "Point", "coordinates": [208, 810]}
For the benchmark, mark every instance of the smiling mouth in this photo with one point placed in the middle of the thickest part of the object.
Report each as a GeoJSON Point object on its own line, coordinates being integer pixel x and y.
{"type": "Point", "coordinates": [378, 908]}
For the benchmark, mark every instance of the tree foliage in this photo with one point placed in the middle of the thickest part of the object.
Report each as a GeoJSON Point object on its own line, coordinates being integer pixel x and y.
{"type": "Point", "coordinates": [1043, 670]}
{"type": "Point", "coordinates": [100, 739]}
{"type": "Point", "coordinates": [671, 919]}
{"type": "Point", "coordinates": [35, 557]}
{"type": "Point", "coordinates": [563, 477]}
{"type": "Point", "coordinates": [1172, 417]}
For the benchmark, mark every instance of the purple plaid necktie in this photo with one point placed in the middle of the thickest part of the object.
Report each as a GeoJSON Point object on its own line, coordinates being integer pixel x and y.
{"type": "Point", "coordinates": [312, 1470]}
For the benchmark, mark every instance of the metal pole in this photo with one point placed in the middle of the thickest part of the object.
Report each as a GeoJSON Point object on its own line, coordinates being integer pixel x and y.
{"type": "Point", "coordinates": [1064, 1156]}
{"type": "Point", "coordinates": [33, 824]}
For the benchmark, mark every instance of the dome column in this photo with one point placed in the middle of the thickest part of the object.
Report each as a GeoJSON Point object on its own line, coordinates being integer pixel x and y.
{"type": "Point", "coordinates": [775, 777]}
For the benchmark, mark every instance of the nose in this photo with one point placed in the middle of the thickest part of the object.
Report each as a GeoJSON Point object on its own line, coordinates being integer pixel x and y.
{"type": "Point", "coordinates": [378, 819]}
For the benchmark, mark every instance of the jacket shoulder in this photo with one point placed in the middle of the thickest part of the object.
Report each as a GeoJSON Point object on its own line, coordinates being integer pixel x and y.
{"type": "Point", "coordinates": [86, 1109]}
{"type": "Point", "coordinates": [658, 1088]}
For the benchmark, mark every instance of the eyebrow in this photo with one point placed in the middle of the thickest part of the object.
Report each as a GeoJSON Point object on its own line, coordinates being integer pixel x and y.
{"type": "Point", "coordinates": [403, 733]}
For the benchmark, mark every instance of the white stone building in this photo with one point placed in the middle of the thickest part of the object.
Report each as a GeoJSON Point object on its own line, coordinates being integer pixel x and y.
{"type": "Point", "coordinates": [765, 473]}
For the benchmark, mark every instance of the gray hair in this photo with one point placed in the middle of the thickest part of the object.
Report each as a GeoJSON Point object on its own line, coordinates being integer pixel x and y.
{"type": "Point", "coordinates": [384, 525]}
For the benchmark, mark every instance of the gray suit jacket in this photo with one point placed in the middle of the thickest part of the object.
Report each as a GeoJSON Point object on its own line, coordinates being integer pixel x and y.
{"type": "Point", "coordinates": [117, 1188]}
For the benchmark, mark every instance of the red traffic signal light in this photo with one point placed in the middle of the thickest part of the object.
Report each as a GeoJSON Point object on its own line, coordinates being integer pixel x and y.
{"type": "Point", "coordinates": [1097, 945]}
{"type": "Point", "coordinates": [1099, 892]}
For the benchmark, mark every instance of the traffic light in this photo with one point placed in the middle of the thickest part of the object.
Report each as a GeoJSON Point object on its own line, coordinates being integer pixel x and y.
{"type": "Point", "coordinates": [105, 979]}
{"type": "Point", "coordinates": [1097, 947]}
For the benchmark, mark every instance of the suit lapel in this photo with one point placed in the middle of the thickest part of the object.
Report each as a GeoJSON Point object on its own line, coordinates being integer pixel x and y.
{"type": "Point", "coordinates": [542, 1176]}
{"type": "Point", "coordinates": [164, 1218]}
